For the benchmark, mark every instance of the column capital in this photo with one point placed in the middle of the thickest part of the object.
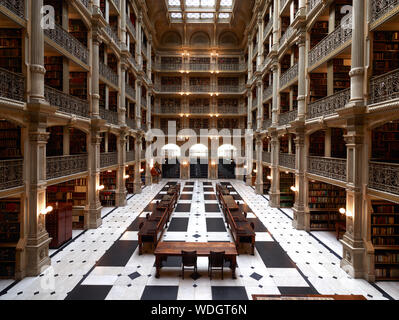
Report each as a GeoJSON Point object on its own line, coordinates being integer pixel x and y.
{"type": "Point", "coordinates": [37, 136]}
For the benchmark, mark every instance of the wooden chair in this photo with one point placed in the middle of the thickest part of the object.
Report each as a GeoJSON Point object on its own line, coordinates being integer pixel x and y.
{"type": "Point", "coordinates": [252, 226]}
{"type": "Point", "coordinates": [216, 262]}
{"type": "Point", "coordinates": [189, 259]}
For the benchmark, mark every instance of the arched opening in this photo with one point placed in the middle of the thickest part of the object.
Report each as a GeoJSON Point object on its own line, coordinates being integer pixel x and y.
{"type": "Point", "coordinates": [171, 168]}
{"type": "Point", "coordinates": [199, 161]}
{"type": "Point", "coordinates": [227, 154]}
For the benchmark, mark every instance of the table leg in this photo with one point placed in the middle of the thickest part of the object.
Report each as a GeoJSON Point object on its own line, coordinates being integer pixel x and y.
{"type": "Point", "coordinates": [140, 246]}
{"type": "Point", "coordinates": [233, 266]}
{"type": "Point", "coordinates": [158, 263]}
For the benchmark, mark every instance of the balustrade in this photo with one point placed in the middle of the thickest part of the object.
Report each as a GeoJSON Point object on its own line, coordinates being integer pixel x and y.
{"type": "Point", "coordinates": [332, 168]}
{"type": "Point", "coordinates": [11, 173]}
{"type": "Point", "coordinates": [67, 103]}
{"type": "Point", "coordinates": [62, 166]}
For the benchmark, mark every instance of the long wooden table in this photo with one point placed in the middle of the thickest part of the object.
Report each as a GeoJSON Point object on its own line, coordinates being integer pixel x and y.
{"type": "Point", "coordinates": [168, 249]}
{"type": "Point", "coordinates": [230, 202]}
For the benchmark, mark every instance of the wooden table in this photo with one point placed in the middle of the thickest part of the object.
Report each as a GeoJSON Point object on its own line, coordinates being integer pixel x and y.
{"type": "Point", "coordinates": [230, 202]}
{"type": "Point", "coordinates": [166, 249]}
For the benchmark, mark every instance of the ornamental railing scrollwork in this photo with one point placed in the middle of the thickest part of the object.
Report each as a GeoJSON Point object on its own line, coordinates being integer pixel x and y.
{"type": "Point", "coordinates": [332, 168]}
{"type": "Point", "coordinates": [384, 87]}
{"type": "Point", "coordinates": [67, 41]}
{"type": "Point", "coordinates": [331, 42]}
{"type": "Point", "coordinates": [200, 88]}
{"type": "Point", "coordinates": [267, 124]}
{"type": "Point", "coordinates": [328, 105]}
{"type": "Point", "coordinates": [130, 155]}
{"type": "Point", "coordinates": [109, 115]}
{"type": "Point", "coordinates": [11, 173]}
{"type": "Point", "coordinates": [268, 27]}
{"type": "Point", "coordinates": [289, 75]}
{"type": "Point", "coordinates": [287, 117]}
{"type": "Point", "coordinates": [62, 166]}
{"type": "Point", "coordinates": [67, 103]}
{"type": "Point", "coordinates": [130, 91]}
{"type": "Point", "coordinates": [199, 66]}
{"type": "Point", "coordinates": [282, 4]}
{"type": "Point", "coordinates": [111, 33]}
{"type": "Point", "coordinates": [85, 3]}
{"type": "Point", "coordinates": [131, 123]}
{"type": "Point", "coordinates": [268, 92]}
{"type": "Point", "coordinates": [107, 73]}
{"type": "Point", "coordinates": [108, 159]}
{"type": "Point", "coordinates": [267, 157]}
{"type": "Point", "coordinates": [12, 85]}
{"type": "Point", "coordinates": [287, 35]}
{"type": "Point", "coordinates": [384, 177]}
{"type": "Point", "coordinates": [381, 8]}
{"type": "Point", "coordinates": [229, 89]}
{"type": "Point", "coordinates": [16, 6]}
{"type": "Point", "coordinates": [131, 27]}
{"type": "Point", "coordinates": [287, 160]}
{"type": "Point", "coordinates": [312, 4]}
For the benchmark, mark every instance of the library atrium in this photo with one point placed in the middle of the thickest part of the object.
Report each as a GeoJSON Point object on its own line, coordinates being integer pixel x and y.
{"type": "Point", "coordinates": [199, 149]}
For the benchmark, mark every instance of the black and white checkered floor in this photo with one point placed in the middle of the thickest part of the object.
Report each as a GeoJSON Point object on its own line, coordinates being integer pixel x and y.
{"type": "Point", "coordinates": [104, 263]}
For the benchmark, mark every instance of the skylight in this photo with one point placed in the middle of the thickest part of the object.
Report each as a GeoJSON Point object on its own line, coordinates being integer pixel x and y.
{"type": "Point", "coordinates": [205, 11]}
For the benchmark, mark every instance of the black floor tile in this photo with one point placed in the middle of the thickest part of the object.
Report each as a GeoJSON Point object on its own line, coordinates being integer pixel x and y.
{"type": "Point", "coordinates": [209, 197]}
{"type": "Point", "coordinates": [297, 290]}
{"type": "Point", "coordinates": [118, 255]}
{"type": "Point", "coordinates": [158, 196]}
{"type": "Point", "coordinates": [183, 207]}
{"type": "Point", "coordinates": [171, 262]}
{"type": "Point", "coordinates": [88, 293]}
{"type": "Point", "coordinates": [207, 183]}
{"type": "Point", "coordinates": [171, 183]}
{"type": "Point", "coordinates": [209, 189]}
{"type": "Point", "coordinates": [226, 183]}
{"type": "Point", "coordinates": [211, 207]}
{"type": "Point", "coordinates": [178, 224]}
{"type": "Point", "coordinates": [135, 224]}
{"type": "Point", "coordinates": [273, 255]}
{"type": "Point", "coordinates": [188, 189]}
{"type": "Point", "coordinates": [215, 225]}
{"type": "Point", "coordinates": [259, 226]}
{"type": "Point", "coordinates": [189, 183]}
{"type": "Point", "coordinates": [186, 197]}
{"type": "Point", "coordinates": [229, 293]}
{"type": "Point", "coordinates": [160, 293]}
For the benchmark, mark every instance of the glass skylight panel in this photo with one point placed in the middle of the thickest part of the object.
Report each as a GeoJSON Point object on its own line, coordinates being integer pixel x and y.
{"type": "Point", "coordinates": [174, 3]}
{"type": "Point", "coordinates": [176, 15]}
{"type": "Point", "coordinates": [224, 15]}
{"type": "Point", "coordinates": [192, 3]}
{"type": "Point", "coordinates": [226, 3]}
{"type": "Point", "coordinates": [193, 15]}
{"type": "Point", "coordinates": [207, 3]}
{"type": "Point", "coordinates": [206, 15]}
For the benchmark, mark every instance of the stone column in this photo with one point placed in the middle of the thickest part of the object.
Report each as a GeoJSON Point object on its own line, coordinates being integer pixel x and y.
{"type": "Point", "coordinates": [149, 60]}
{"type": "Point", "coordinates": [259, 119]}
{"type": "Point", "coordinates": [353, 245]}
{"type": "Point", "coordinates": [301, 220]}
{"type": "Point", "coordinates": [93, 215]}
{"type": "Point", "coordinates": [137, 165]}
{"type": "Point", "coordinates": [121, 192]}
{"type": "Point", "coordinates": [148, 177]}
{"type": "Point", "coordinates": [139, 57]}
{"type": "Point", "coordinates": [249, 156]}
{"type": "Point", "coordinates": [259, 165]}
{"type": "Point", "coordinates": [302, 76]}
{"type": "Point", "coordinates": [37, 243]}
{"type": "Point", "coordinates": [122, 94]}
{"type": "Point", "coordinates": [138, 104]}
{"type": "Point", "coordinates": [95, 73]}
{"type": "Point", "coordinates": [275, 183]}
{"type": "Point", "coordinates": [275, 96]}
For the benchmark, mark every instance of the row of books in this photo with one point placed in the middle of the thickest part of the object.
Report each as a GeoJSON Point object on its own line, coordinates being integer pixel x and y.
{"type": "Point", "coordinates": [387, 258]}
{"type": "Point", "coordinates": [382, 231]}
{"type": "Point", "coordinates": [385, 219]}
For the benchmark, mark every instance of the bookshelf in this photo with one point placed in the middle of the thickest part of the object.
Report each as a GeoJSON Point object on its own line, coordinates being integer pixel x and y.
{"type": "Point", "coordinates": [284, 102]}
{"type": "Point", "coordinates": [228, 123]}
{"type": "Point", "coordinates": [200, 81]}
{"type": "Point", "coordinates": [385, 239]}
{"type": "Point", "coordinates": [59, 224]}
{"type": "Point", "coordinates": [284, 144]}
{"type": "Point", "coordinates": [318, 86]}
{"type": "Point", "coordinates": [113, 101]}
{"type": "Point", "coordinates": [10, 209]}
{"type": "Point", "coordinates": [341, 68]}
{"type": "Point", "coordinates": [385, 52]}
{"type": "Point", "coordinates": [130, 180]}
{"type": "Point", "coordinates": [107, 196]}
{"type": "Point", "coordinates": [338, 144]}
{"type": "Point", "coordinates": [112, 62]}
{"type": "Point", "coordinates": [227, 105]}
{"type": "Point", "coordinates": [78, 29]}
{"type": "Point", "coordinates": [79, 145]}
{"type": "Point", "coordinates": [287, 196]}
{"type": "Point", "coordinates": [318, 33]}
{"type": "Point", "coordinates": [73, 193]}
{"type": "Point", "coordinates": [78, 84]}
{"type": "Point", "coordinates": [317, 142]}
{"type": "Point", "coordinates": [385, 142]}
{"type": "Point", "coordinates": [54, 71]}
{"type": "Point", "coordinates": [170, 105]}
{"type": "Point", "coordinates": [228, 81]}
{"type": "Point", "coordinates": [11, 49]}
{"type": "Point", "coordinates": [325, 200]}
{"type": "Point", "coordinates": [10, 141]}
{"type": "Point", "coordinates": [199, 105]}
{"type": "Point", "coordinates": [266, 182]}
{"type": "Point", "coordinates": [55, 144]}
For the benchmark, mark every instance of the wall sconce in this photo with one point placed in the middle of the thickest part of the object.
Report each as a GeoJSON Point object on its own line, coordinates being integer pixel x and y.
{"type": "Point", "coordinates": [99, 188]}
{"type": "Point", "coordinates": [181, 115]}
{"type": "Point", "coordinates": [187, 115]}
{"type": "Point", "coordinates": [46, 210]}
{"type": "Point", "coordinates": [255, 170]}
{"type": "Point", "coordinates": [294, 189]}
{"type": "Point", "coordinates": [109, 171]}
{"type": "Point", "coordinates": [141, 170]}
{"type": "Point", "coordinates": [217, 115]}
{"type": "Point", "coordinates": [269, 177]}
{"type": "Point", "coordinates": [342, 211]}
{"type": "Point", "coordinates": [126, 176]}
{"type": "Point", "coordinates": [286, 172]}
{"type": "Point", "coordinates": [185, 163]}
{"type": "Point", "coordinates": [213, 163]}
